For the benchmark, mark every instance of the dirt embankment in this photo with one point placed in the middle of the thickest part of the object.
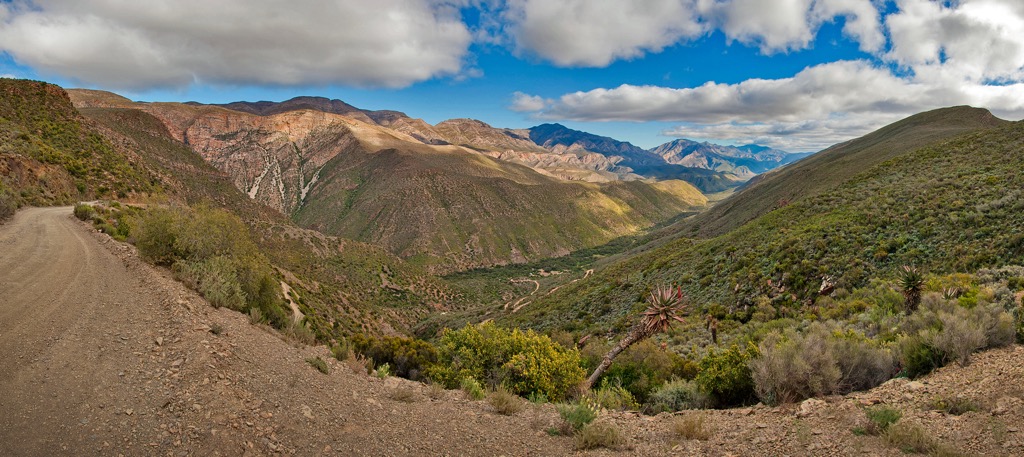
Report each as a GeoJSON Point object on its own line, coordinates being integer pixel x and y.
{"type": "Point", "coordinates": [105, 355]}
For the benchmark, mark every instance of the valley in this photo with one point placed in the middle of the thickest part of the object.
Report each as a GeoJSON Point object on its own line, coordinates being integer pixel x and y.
{"type": "Point", "coordinates": [276, 269]}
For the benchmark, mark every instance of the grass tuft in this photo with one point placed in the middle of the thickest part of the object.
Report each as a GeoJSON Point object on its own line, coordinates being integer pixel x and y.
{"type": "Point", "coordinates": [319, 364]}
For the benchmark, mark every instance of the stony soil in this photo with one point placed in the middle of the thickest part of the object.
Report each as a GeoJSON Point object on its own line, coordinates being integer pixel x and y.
{"type": "Point", "coordinates": [103, 354]}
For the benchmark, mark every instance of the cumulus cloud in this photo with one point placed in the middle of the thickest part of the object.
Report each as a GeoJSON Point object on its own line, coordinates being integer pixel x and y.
{"type": "Point", "coordinates": [594, 33]}
{"type": "Point", "coordinates": [978, 40]}
{"type": "Point", "coordinates": [597, 32]}
{"type": "Point", "coordinates": [926, 55]}
{"type": "Point", "coordinates": [165, 43]}
{"type": "Point", "coordinates": [525, 103]}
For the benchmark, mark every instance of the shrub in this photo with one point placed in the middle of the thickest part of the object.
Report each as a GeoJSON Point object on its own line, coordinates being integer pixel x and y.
{"type": "Point", "coordinates": [917, 356]}
{"type": "Point", "coordinates": [793, 367]}
{"type": "Point", "coordinates": [504, 402]}
{"type": "Point", "coordinates": [383, 370]}
{"type": "Point", "coordinates": [958, 338]}
{"type": "Point", "coordinates": [678, 395]}
{"type": "Point", "coordinates": [613, 397]}
{"type": "Point", "coordinates": [472, 388]}
{"type": "Point", "coordinates": [691, 427]}
{"type": "Point", "coordinates": [407, 357]}
{"type": "Point", "coordinates": [880, 418]}
{"type": "Point", "coordinates": [912, 438]}
{"type": "Point", "coordinates": [213, 252]}
{"type": "Point", "coordinates": [955, 406]}
{"type": "Point", "coordinates": [600, 434]}
{"type": "Point", "coordinates": [319, 364]}
{"type": "Point", "coordinates": [641, 368]}
{"type": "Point", "coordinates": [576, 415]}
{"type": "Point", "coordinates": [524, 362]}
{"type": "Point", "coordinates": [402, 394]}
{"type": "Point", "coordinates": [84, 212]}
{"type": "Point", "coordinates": [8, 204]}
{"type": "Point", "coordinates": [725, 375]}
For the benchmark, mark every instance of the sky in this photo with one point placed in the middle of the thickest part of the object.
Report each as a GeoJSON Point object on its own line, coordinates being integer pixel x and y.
{"type": "Point", "coordinates": [798, 75]}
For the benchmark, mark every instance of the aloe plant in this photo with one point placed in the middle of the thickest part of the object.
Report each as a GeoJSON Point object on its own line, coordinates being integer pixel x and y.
{"type": "Point", "coordinates": [665, 305]}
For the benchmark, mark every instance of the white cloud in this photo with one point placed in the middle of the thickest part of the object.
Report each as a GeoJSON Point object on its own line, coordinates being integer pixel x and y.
{"type": "Point", "coordinates": [597, 32]}
{"type": "Point", "coordinates": [935, 55]}
{"type": "Point", "coordinates": [820, 105]}
{"type": "Point", "coordinates": [524, 103]}
{"type": "Point", "coordinates": [594, 33]}
{"type": "Point", "coordinates": [975, 40]}
{"type": "Point", "coordinates": [165, 43]}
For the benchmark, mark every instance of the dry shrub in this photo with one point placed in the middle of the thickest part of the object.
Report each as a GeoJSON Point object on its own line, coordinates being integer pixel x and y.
{"type": "Point", "coordinates": [691, 427]}
{"type": "Point", "coordinates": [793, 367]}
{"type": "Point", "coordinates": [913, 438]}
{"type": "Point", "coordinates": [504, 402]}
{"type": "Point", "coordinates": [677, 396]}
{"type": "Point", "coordinates": [402, 394]}
{"type": "Point", "coordinates": [600, 434]}
{"type": "Point", "coordinates": [435, 392]}
{"type": "Point", "coordinates": [319, 364]}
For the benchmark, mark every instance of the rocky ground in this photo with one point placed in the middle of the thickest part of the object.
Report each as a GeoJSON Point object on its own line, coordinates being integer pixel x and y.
{"type": "Point", "coordinates": [103, 354]}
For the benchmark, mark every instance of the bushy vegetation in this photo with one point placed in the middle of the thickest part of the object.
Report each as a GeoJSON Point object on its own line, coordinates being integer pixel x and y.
{"type": "Point", "coordinates": [523, 361]}
{"type": "Point", "coordinates": [8, 204]}
{"type": "Point", "coordinates": [211, 251]}
{"type": "Point", "coordinates": [600, 434]}
{"type": "Point", "coordinates": [791, 367]}
{"type": "Point", "coordinates": [725, 375]}
{"type": "Point", "coordinates": [37, 121]}
{"type": "Point", "coordinates": [407, 357]}
{"type": "Point", "coordinates": [679, 395]}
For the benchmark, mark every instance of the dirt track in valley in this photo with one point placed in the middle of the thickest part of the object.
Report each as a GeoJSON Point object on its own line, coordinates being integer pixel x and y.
{"type": "Point", "coordinates": [102, 354]}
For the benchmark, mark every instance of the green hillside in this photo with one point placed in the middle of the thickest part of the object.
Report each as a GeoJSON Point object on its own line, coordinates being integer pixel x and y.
{"type": "Point", "coordinates": [49, 155]}
{"type": "Point", "coordinates": [954, 206]}
{"type": "Point", "coordinates": [343, 286]}
{"type": "Point", "coordinates": [832, 167]}
{"type": "Point", "coordinates": [454, 211]}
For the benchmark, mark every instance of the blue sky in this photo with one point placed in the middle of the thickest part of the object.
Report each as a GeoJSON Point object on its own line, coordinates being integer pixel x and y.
{"type": "Point", "coordinates": [794, 74]}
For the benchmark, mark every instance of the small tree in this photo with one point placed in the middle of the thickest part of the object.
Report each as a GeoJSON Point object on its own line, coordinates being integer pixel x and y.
{"type": "Point", "coordinates": [664, 306]}
{"type": "Point", "coordinates": [911, 283]}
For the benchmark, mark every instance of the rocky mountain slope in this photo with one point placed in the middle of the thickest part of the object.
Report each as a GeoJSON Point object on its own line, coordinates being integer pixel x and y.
{"type": "Point", "coordinates": [743, 161]}
{"type": "Point", "coordinates": [445, 206]}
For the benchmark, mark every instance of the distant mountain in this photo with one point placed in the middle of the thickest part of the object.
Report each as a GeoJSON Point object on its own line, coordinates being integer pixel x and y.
{"type": "Point", "coordinates": [562, 140]}
{"type": "Point", "coordinates": [939, 190]}
{"type": "Point", "coordinates": [743, 161]}
{"type": "Point", "coordinates": [445, 206]}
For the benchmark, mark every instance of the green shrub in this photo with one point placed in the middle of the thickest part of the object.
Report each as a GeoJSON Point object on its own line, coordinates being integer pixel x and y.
{"type": "Point", "coordinates": [319, 364]}
{"type": "Point", "coordinates": [524, 362]}
{"type": "Point", "coordinates": [383, 370]}
{"type": "Point", "coordinates": [84, 212]}
{"type": "Point", "coordinates": [600, 434]}
{"type": "Point", "coordinates": [678, 395]}
{"type": "Point", "coordinates": [211, 251]}
{"type": "Point", "coordinates": [613, 397]}
{"type": "Point", "coordinates": [641, 368]}
{"type": "Point", "coordinates": [917, 356]}
{"type": "Point", "coordinates": [8, 203]}
{"type": "Point", "coordinates": [880, 418]}
{"type": "Point", "coordinates": [576, 415]}
{"type": "Point", "coordinates": [407, 357]}
{"type": "Point", "coordinates": [472, 388]}
{"type": "Point", "coordinates": [725, 375]}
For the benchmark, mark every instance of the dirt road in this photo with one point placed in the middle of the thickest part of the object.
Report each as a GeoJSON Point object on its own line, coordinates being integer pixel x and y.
{"type": "Point", "coordinates": [101, 354]}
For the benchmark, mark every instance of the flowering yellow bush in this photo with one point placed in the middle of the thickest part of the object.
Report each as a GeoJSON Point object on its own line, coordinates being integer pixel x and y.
{"type": "Point", "coordinates": [524, 362]}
